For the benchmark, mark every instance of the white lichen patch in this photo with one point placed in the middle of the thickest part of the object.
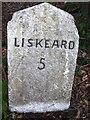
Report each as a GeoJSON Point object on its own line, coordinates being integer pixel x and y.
{"type": "Point", "coordinates": [40, 107]}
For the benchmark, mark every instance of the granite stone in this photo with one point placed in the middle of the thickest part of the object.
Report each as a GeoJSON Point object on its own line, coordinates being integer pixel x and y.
{"type": "Point", "coordinates": [42, 51]}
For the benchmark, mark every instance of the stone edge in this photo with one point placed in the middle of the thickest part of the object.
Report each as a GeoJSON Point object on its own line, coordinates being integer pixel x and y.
{"type": "Point", "coordinates": [40, 107]}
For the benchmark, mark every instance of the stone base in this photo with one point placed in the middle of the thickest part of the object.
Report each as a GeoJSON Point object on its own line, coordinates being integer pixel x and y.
{"type": "Point", "coordinates": [40, 107]}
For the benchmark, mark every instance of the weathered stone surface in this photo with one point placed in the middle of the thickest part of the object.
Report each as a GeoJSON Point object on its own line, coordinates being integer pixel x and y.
{"type": "Point", "coordinates": [42, 51]}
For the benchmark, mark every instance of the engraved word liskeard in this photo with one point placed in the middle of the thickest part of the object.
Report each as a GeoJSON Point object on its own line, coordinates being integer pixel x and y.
{"type": "Point", "coordinates": [45, 43]}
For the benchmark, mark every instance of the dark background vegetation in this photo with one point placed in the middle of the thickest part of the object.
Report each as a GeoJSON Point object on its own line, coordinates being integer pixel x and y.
{"type": "Point", "coordinates": [79, 108]}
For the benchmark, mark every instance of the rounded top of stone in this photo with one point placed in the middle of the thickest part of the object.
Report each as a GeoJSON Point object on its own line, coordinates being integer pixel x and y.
{"type": "Point", "coordinates": [42, 11]}
{"type": "Point", "coordinates": [46, 6]}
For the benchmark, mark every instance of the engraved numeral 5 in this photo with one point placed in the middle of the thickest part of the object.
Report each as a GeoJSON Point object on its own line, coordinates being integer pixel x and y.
{"type": "Point", "coordinates": [42, 63]}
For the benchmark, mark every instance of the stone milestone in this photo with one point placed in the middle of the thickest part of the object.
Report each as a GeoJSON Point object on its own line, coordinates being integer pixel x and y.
{"type": "Point", "coordinates": [42, 51]}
